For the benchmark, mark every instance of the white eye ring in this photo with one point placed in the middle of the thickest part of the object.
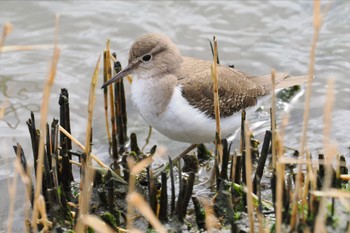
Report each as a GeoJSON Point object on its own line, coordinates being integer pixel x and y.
{"type": "Point", "coordinates": [146, 57]}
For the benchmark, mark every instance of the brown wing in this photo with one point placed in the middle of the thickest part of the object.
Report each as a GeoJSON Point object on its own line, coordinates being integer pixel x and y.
{"type": "Point", "coordinates": [236, 90]}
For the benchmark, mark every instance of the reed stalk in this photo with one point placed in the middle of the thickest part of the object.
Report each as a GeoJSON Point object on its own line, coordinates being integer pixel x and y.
{"type": "Point", "coordinates": [95, 223]}
{"type": "Point", "coordinates": [138, 202]}
{"type": "Point", "coordinates": [215, 77]}
{"type": "Point", "coordinates": [330, 152]}
{"type": "Point", "coordinates": [12, 190]}
{"type": "Point", "coordinates": [106, 77]}
{"type": "Point", "coordinates": [211, 222]}
{"type": "Point", "coordinates": [280, 171]}
{"type": "Point", "coordinates": [108, 68]}
{"type": "Point", "coordinates": [88, 173]}
{"type": "Point", "coordinates": [248, 162]}
{"type": "Point", "coordinates": [44, 111]}
{"type": "Point", "coordinates": [273, 118]}
{"type": "Point", "coordinates": [132, 196]}
{"type": "Point", "coordinates": [6, 30]}
{"type": "Point", "coordinates": [317, 22]}
{"type": "Point", "coordinates": [10, 48]}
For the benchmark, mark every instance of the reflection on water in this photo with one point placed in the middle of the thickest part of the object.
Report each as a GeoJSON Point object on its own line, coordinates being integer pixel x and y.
{"type": "Point", "coordinates": [253, 36]}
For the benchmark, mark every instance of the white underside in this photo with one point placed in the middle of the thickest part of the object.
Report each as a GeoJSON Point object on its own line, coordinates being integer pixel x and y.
{"type": "Point", "coordinates": [180, 121]}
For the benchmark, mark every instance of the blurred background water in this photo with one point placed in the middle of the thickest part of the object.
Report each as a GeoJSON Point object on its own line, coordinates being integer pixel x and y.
{"type": "Point", "coordinates": [255, 36]}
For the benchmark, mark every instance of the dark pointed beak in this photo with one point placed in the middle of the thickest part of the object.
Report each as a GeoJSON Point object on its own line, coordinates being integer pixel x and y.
{"type": "Point", "coordinates": [127, 70]}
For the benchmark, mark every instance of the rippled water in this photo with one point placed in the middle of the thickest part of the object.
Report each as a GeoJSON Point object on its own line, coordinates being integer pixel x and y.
{"type": "Point", "coordinates": [252, 35]}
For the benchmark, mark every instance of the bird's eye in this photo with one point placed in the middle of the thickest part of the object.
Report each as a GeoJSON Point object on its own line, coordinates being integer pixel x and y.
{"type": "Point", "coordinates": [146, 57]}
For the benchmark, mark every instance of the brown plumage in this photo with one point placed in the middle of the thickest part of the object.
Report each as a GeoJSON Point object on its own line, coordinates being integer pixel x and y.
{"type": "Point", "coordinates": [237, 90]}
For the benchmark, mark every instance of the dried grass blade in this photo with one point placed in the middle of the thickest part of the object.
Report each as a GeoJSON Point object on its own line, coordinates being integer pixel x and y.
{"type": "Point", "coordinates": [44, 111]}
{"type": "Point", "coordinates": [215, 77]}
{"type": "Point", "coordinates": [248, 174]}
{"type": "Point", "coordinates": [138, 202]}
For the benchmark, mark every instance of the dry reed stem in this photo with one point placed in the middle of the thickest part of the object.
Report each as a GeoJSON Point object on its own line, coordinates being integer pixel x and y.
{"type": "Point", "coordinates": [280, 171]}
{"type": "Point", "coordinates": [137, 168]}
{"type": "Point", "coordinates": [345, 176]}
{"type": "Point", "coordinates": [88, 173]}
{"type": "Point", "coordinates": [73, 162]}
{"type": "Point", "coordinates": [273, 118]}
{"type": "Point", "coordinates": [10, 48]}
{"type": "Point", "coordinates": [317, 21]}
{"type": "Point", "coordinates": [92, 98]}
{"type": "Point", "coordinates": [3, 107]}
{"type": "Point", "coordinates": [42, 209]}
{"type": "Point", "coordinates": [248, 165]}
{"type": "Point", "coordinates": [93, 156]}
{"type": "Point", "coordinates": [134, 169]}
{"type": "Point", "coordinates": [310, 171]}
{"type": "Point", "coordinates": [111, 92]}
{"type": "Point", "coordinates": [106, 77]}
{"type": "Point", "coordinates": [215, 77]}
{"type": "Point", "coordinates": [95, 223]}
{"type": "Point", "coordinates": [211, 221]}
{"type": "Point", "coordinates": [6, 30]}
{"type": "Point", "coordinates": [138, 202]}
{"type": "Point", "coordinates": [261, 221]}
{"type": "Point", "coordinates": [84, 196]}
{"type": "Point", "coordinates": [332, 192]}
{"type": "Point", "coordinates": [44, 111]}
{"type": "Point", "coordinates": [330, 152]}
{"type": "Point", "coordinates": [12, 188]}
{"type": "Point", "coordinates": [26, 179]}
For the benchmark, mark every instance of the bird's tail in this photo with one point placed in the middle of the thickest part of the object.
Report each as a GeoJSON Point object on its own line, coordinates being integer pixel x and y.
{"type": "Point", "coordinates": [290, 81]}
{"type": "Point", "coordinates": [282, 80]}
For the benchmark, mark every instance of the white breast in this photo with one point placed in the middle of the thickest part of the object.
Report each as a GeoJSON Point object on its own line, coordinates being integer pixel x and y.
{"type": "Point", "coordinates": [180, 121]}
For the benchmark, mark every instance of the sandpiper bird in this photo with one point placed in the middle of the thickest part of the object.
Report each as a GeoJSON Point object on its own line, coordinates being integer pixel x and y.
{"type": "Point", "coordinates": [174, 94]}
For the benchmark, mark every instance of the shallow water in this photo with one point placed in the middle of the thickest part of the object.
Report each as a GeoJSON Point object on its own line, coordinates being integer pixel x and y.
{"type": "Point", "coordinates": [252, 35]}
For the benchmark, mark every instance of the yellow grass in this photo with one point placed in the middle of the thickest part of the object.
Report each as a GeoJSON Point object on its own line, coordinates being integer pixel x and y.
{"type": "Point", "coordinates": [88, 172]}
{"type": "Point", "coordinates": [215, 77]}
{"type": "Point", "coordinates": [95, 223]}
{"type": "Point", "coordinates": [137, 201]}
{"type": "Point", "coordinates": [6, 30]}
{"type": "Point", "coordinates": [107, 73]}
{"type": "Point", "coordinates": [10, 48]}
{"type": "Point", "coordinates": [44, 110]}
{"type": "Point", "coordinates": [317, 26]}
{"type": "Point", "coordinates": [248, 166]}
{"type": "Point", "coordinates": [330, 152]}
